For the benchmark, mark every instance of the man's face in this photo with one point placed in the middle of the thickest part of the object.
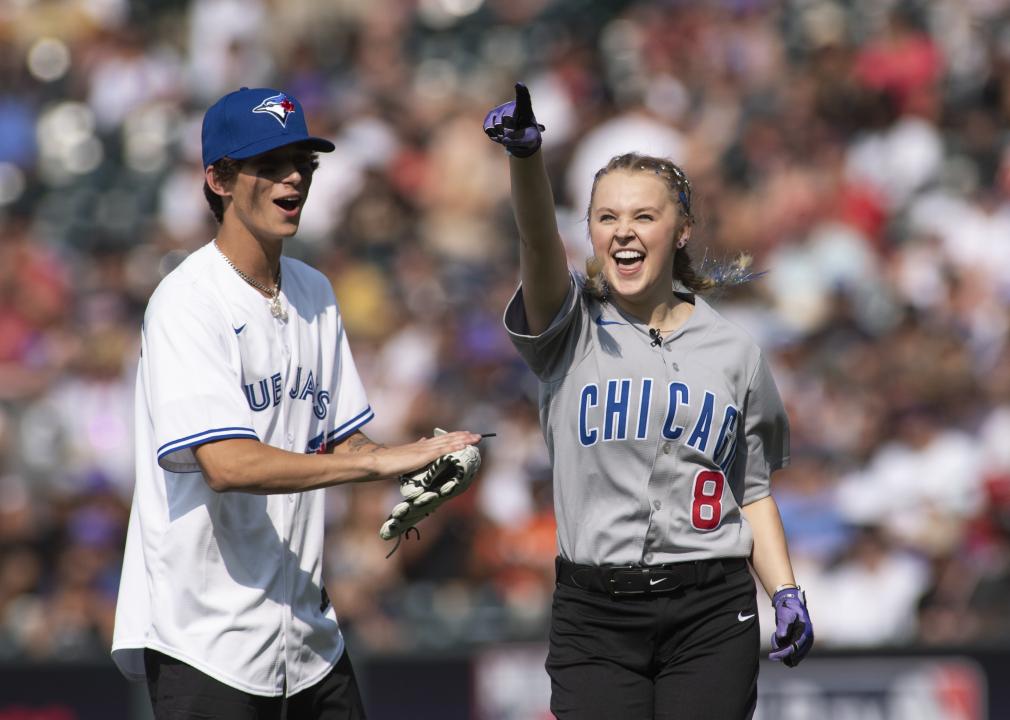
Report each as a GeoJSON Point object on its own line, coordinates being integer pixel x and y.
{"type": "Point", "coordinates": [270, 190]}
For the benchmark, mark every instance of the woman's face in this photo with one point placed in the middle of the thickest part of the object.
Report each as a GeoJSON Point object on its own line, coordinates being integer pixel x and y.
{"type": "Point", "coordinates": [633, 225]}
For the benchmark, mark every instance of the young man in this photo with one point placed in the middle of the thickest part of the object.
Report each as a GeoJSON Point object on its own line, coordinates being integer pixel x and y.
{"type": "Point", "coordinates": [248, 404]}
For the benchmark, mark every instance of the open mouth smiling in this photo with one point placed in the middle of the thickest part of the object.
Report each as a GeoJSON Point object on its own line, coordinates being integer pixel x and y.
{"type": "Point", "coordinates": [628, 257]}
{"type": "Point", "coordinates": [289, 203]}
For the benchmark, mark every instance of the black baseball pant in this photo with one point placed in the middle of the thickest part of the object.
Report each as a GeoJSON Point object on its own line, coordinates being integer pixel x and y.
{"type": "Point", "coordinates": [181, 692]}
{"type": "Point", "coordinates": [691, 654]}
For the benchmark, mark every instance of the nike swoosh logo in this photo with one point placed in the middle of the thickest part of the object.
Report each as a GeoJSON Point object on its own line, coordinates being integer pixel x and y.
{"type": "Point", "coordinates": [743, 618]}
{"type": "Point", "coordinates": [656, 581]}
{"type": "Point", "coordinates": [239, 330]}
{"type": "Point", "coordinates": [600, 321]}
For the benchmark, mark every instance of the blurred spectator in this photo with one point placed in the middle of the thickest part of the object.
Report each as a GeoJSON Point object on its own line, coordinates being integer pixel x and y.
{"type": "Point", "coordinates": [805, 493]}
{"type": "Point", "coordinates": [870, 597]}
{"type": "Point", "coordinates": [986, 605]}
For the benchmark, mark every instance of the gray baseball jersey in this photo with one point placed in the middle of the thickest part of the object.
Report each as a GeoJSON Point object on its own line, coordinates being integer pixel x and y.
{"type": "Point", "coordinates": [655, 446]}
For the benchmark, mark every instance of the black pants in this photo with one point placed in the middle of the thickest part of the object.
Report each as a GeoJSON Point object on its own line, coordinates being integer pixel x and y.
{"type": "Point", "coordinates": [180, 692]}
{"type": "Point", "coordinates": [688, 655]}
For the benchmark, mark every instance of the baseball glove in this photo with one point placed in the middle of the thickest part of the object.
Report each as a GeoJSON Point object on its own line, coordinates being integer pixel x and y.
{"type": "Point", "coordinates": [425, 490]}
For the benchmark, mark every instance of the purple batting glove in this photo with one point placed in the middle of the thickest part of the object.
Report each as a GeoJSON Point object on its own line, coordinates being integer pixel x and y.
{"type": "Point", "coordinates": [794, 633]}
{"type": "Point", "coordinates": [514, 126]}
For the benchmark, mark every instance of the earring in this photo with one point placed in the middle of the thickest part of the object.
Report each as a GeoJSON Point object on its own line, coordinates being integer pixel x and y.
{"type": "Point", "coordinates": [681, 243]}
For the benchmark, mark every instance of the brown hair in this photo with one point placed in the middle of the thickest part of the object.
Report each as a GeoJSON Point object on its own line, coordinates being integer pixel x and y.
{"type": "Point", "coordinates": [225, 171]}
{"type": "Point", "coordinates": [680, 190]}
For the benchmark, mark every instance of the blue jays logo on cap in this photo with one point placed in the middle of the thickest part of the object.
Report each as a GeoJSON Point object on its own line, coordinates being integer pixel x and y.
{"type": "Point", "coordinates": [279, 106]}
{"type": "Point", "coordinates": [236, 126]}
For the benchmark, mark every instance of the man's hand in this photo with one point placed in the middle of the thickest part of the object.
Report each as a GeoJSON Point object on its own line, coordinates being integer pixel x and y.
{"type": "Point", "coordinates": [398, 460]}
{"type": "Point", "coordinates": [425, 490]}
{"type": "Point", "coordinates": [514, 126]}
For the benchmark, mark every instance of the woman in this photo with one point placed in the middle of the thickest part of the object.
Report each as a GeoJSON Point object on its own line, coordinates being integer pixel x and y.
{"type": "Point", "coordinates": [664, 425]}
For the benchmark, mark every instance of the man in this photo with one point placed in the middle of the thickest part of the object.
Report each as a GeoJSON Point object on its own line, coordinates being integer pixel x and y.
{"type": "Point", "coordinates": [248, 404]}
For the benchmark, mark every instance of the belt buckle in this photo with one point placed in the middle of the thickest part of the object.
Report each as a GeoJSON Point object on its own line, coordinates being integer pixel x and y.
{"type": "Point", "coordinates": [640, 581]}
{"type": "Point", "coordinates": [625, 581]}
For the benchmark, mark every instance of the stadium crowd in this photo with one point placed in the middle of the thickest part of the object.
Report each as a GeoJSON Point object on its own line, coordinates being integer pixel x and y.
{"type": "Point", "coordinates": [856, 148]}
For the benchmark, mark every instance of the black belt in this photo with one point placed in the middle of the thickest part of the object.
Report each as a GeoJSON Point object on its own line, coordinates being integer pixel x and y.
{"type": "Point", "coordinates": [621, 580]}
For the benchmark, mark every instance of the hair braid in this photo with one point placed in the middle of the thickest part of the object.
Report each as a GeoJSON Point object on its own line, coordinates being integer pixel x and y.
{"type": "Point", "coordinates": [683, 270]}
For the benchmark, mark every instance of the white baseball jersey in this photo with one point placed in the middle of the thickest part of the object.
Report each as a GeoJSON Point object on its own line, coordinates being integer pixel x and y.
{"type": "Point", "coordinates": [230, 583]}
{"type": "Point", "coordinates": [655, 445]}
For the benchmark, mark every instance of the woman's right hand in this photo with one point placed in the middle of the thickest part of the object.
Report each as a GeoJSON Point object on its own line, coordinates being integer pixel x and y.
{"type": "Point", "coordinates": [513, 125]}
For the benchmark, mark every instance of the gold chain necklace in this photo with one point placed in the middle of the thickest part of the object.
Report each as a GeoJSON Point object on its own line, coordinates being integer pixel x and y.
{"type": "Point", "coordinates": [275, 293]}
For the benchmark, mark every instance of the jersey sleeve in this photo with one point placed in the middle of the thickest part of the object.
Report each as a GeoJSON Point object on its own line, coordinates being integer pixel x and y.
{"type": "Point", "coordinates": [550, 353]}
{"type": "Point", "coordinates": [194, 389]}
{"type": "Point", "coordinates": [766, 433]}
{"type": "Point", "coordinates": [351, 409]}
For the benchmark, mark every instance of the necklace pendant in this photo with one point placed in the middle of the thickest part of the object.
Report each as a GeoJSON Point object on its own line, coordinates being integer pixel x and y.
{"type": "Point", "coordinates": [276, 310]}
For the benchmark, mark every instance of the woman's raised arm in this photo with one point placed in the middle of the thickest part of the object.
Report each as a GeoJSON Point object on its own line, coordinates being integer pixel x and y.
{"type": "Point", "coordinates": [543, 266]}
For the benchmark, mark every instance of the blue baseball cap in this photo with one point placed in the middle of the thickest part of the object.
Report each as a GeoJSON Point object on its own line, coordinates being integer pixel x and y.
{"type": "Point", "coordinates": [249, 122]}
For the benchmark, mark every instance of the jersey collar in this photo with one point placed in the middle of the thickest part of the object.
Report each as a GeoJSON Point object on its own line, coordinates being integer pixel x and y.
{"type": "Point", "coordinates": [606, 314]}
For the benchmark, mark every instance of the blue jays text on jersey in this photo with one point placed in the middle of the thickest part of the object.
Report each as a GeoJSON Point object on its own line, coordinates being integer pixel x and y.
{"type": "Point", "coordinates": [267, 392]}
{"type": "Point", "coordinates": [607, 413]}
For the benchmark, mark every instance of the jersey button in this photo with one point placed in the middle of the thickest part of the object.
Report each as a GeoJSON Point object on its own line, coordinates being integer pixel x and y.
{"type": "Point", "coordinates": [666, 448]}
{"type": "Point", "coordinates": [657, 504]}
{"type": "Point", "coordinates": [648, 557]}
